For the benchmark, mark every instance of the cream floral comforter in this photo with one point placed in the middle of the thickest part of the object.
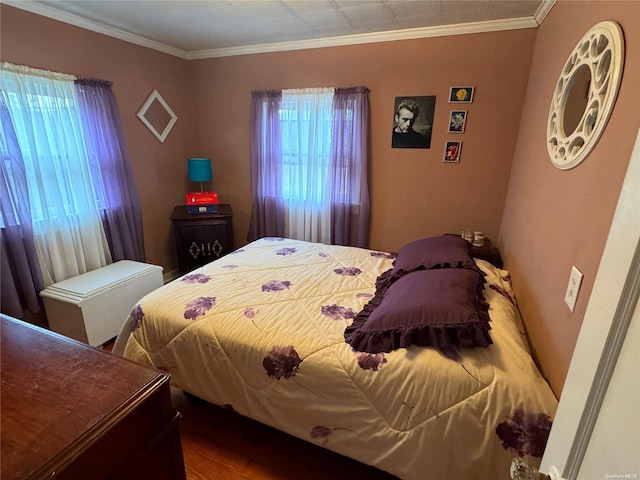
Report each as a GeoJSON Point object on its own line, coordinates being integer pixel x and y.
{"type": "Point", "coordinates": [261, 331]}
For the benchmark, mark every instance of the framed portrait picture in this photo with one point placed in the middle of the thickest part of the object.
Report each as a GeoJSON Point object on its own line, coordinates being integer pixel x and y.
{"type": "Point", "coordinates": [461, 94]}
{"type": "Point", "coordinates": [457, 121]}
{"type": "Point", "coordinates": [452, 152]}
{"type": "Point", "coordinates": [413, 122]}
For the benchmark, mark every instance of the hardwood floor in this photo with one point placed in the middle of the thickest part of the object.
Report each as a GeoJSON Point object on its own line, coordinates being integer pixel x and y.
{"type": "Point", "coordinates": [221, 445]}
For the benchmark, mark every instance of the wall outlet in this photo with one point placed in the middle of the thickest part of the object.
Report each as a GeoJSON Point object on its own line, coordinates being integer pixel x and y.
{"type": "Point", "coordinates": [575, 280]}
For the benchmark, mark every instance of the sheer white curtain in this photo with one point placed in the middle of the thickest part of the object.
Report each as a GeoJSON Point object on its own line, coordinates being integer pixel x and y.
{"type": "Point", "coordinates": [68, 232]}
{"type": "Point", "coordinates": [306, 125]}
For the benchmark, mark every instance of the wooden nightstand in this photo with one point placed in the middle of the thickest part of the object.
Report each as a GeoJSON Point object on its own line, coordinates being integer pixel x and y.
{"type": "Point", "coordinates": [202, 237]}
{"type": "Point", "coordinates": [488, 252]}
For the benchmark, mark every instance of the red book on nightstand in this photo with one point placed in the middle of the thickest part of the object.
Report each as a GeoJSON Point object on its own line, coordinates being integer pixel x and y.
{"type": "Point", "coordinates": [202, 198]}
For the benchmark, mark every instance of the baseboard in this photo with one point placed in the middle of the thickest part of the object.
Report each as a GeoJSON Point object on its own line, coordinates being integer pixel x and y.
{"type": "Point", "coordinates": [171, 275]}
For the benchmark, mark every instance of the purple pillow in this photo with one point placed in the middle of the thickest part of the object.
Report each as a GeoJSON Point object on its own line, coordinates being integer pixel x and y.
{"type": "Point", "coordinates": [443, 308]}
{"type": "Point", "coordinates": [444, 251]}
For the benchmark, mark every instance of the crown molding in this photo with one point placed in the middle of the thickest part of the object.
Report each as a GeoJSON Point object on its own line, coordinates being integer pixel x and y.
{"type": "Point", "coordinates": [389, 36]}
{"type": "Point", "coordinates": [75, 20]}
{"type": "Point", "coordinates": [544, 8]}
{"type": "Point", "coordinates": [407, 34]}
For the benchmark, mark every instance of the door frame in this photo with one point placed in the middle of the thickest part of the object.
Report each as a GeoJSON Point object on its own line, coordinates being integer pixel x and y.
{"type": "Point", "coordinates": [611, 307]}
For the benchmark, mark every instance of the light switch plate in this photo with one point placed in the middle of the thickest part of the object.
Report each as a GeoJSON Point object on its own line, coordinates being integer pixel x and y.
{"type": "Point", "coordinates": [575, 280]}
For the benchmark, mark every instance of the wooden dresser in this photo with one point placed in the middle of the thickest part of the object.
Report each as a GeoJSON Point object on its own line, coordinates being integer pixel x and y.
{"type": "Point", "coordinates": [70, 411]}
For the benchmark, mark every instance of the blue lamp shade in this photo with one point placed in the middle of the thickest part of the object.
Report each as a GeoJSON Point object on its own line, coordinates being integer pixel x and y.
{"type": "Point", "coordinates": [199, 169]}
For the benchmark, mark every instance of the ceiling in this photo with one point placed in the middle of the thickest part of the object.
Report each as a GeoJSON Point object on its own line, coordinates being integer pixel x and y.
{"type": "Point", "coordinates": [210, 28]}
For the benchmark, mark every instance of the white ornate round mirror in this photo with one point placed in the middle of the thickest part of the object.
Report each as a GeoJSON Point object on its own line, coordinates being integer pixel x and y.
{"type": "Point", "coordinates": [585, 94]}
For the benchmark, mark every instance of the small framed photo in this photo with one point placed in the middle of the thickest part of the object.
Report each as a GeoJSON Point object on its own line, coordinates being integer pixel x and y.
{"type": "Point", "coordinates": [457, 121]}
{"type": "Point", "coordinates": [461, 94]}
{"type": "Point", "coordinates": [452, 152]}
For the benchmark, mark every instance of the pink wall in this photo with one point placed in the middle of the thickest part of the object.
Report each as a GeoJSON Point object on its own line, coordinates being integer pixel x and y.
{"type": "Point", "coordinates": [159, 168]}
{"type": "Point", "coordinates": [554, 219]}
{"type": "Point", "coordinates": [413, 193]}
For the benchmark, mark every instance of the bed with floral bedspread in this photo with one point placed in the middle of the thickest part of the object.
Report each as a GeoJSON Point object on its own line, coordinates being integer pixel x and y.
{"type": "Point", "coordinates": [262, 331]}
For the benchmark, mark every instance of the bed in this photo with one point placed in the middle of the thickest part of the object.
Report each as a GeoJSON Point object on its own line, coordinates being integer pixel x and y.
{"type": "Point", "coordinates": [263, 332]}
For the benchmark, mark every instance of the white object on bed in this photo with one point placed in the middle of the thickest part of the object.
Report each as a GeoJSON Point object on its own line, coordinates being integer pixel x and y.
{"type": "Point", "coordinates": [261, 331]}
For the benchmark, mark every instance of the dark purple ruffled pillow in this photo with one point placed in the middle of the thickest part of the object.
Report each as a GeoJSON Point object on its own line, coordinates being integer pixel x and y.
{"type": "Point", "coordinates": [443, 308]}
{"type": "Point", "coordinates": [444, 251]}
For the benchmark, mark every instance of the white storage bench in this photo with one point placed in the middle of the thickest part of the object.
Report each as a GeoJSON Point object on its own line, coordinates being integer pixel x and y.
{"type": "Point", "coordinates": [93, 306]}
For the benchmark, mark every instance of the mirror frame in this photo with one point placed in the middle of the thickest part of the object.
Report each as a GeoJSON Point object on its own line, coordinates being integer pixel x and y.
{"type": "Point", "coordinates": [155, 95]}
{"type": "Point", "coordinates": [601, 49]}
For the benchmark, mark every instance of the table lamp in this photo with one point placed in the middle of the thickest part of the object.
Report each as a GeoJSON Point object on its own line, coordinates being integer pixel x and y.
{"type": "Point", "coordinates": [201, 202]}
{"type": "Point", "coordinates": [199, 170]}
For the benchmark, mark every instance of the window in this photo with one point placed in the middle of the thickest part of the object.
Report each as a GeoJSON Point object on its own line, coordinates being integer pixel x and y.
{"type": "Point", "coordinates": [69, 201]}
{"type": "Point", "coordinates": [305, 123]}
{"type": "Point", "coordinates": [53, 152]}
{"type": "Point", "coordinates": [309, 165]}
{"type": "Point", "coordinates": [47, 125]}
